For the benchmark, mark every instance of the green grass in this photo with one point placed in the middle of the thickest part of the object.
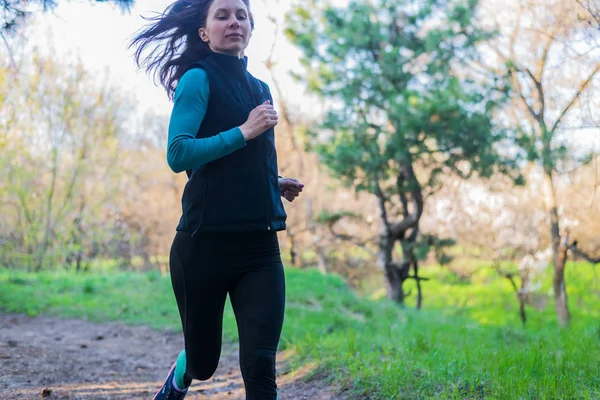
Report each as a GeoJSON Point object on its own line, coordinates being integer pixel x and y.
{"type": "Point", "coordinates": [467, 343]}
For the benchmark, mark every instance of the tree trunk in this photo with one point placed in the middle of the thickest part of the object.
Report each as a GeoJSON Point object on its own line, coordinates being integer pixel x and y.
{"type": "Point", "coordinates": [522, 312]}
{"type": "Point", "coordinates": [49, 201]}
{"type": "Point", "coordinates": [560, 290]}
{"type": "Point", "coordinates": [410, 259]}
{"type": "Point", "coordinates": [293, 252]}
{"type": "Point", "coordinates": [395, 274]}
{"type": "Point", "coordinates": [322, 261]}
{"type": "Point", "coordinates": [411, 198]}
{"type": "Point", "coordinates": [415, 264]}
{"type": "Point", "coordinates": [559, 252]}
{"type": "Point", "coordinates": [77, 235]}
{"type": "Point", "coordinates": [293, 257]}
{"type": "Point", "coordinates": [316, 239]}
{"type": "Point", "coordinates": [520, 293]}
{"type": "Point", "coordinates": [392, 279]}
{"type": "Point", "coordinates": [560, 287]}
{"type": "Point", "coordinates": [393, 282]}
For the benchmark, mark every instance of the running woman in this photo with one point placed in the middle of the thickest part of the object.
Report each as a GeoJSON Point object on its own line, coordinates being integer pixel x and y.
{"type": "Point", "coordinates": [221, 133]}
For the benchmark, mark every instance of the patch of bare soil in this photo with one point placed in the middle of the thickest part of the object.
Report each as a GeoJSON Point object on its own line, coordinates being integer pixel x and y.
{"type": "Point", "coordinates": [54, 358]}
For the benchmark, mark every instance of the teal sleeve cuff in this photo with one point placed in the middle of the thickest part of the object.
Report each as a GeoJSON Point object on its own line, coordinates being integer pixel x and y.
{"type": "Point", "coordinates": [234, 138]}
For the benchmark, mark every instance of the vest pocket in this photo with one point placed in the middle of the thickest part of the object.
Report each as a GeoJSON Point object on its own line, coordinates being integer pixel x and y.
{"type": "Point", "coordinates": [237, 196]}
{"type": "Point", "coordinates": [203, 202]}
{"type": "Point", "coordinates": [196, 199]}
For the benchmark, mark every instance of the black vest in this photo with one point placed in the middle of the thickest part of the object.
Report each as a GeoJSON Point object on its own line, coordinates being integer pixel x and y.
{"type": "Point", "coordinates": [240, 191]}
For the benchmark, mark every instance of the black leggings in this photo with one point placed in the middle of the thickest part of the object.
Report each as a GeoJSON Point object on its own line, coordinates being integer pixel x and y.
{"type": "Point", "coordinates": [204, 269]}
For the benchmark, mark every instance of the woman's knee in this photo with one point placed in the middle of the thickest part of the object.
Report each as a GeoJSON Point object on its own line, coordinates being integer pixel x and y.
{"type": "Point", "coordinates": [201, 372]}
{"type": "Point", "coordinates": [201, 366]}
{"type": "Point", "coordinates": [261, 363]}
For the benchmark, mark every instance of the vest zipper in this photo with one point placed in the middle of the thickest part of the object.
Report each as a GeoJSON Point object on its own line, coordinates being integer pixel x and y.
{"type": "Point", "coordinates": [264, 164]}
{"type": "Point", "coordinates": [269, 206]}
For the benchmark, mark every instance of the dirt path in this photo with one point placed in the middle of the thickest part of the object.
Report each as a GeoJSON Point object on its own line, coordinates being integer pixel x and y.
{"type": "Point", "coordinates": [54, 358]}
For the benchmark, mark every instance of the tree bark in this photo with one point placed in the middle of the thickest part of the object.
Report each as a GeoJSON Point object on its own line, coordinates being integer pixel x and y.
{"type": "Point", "coordinates": [396, 273]}
{"type": "Point", "coordinates": [559, 252]}
{"type": "Point", "coordinates": [49, 201]}
{"type": "Point", "coordinates": [520, 293]}
{"type": "Point", "coordinates": [578, 253]}
{"type": "Point", "coordinates": [316, 239]}
{"type": "Point", "coordinates": [78, 236]}
{"type": "Point", "coordinates": [392, 278]}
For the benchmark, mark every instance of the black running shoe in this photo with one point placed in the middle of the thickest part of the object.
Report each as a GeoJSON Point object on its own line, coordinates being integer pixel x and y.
{"type": "Point", "coordinates": [168, 391]}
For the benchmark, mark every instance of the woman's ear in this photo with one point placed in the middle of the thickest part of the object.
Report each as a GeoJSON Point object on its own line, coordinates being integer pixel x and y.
{"type": "Point", "coordinates": [203, 35]}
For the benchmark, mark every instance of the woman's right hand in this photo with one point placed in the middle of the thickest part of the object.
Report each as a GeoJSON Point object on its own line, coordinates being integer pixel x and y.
{"type": "Point", "coordinates": [260, 119]}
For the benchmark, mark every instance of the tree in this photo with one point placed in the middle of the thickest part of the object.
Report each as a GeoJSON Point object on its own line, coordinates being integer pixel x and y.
{"type": "Point", "coordinates": [15, 12]}
{"type": "Point", "coordinates": [552, 59]}
{"type": "Point", "coordinates": [403, 109]}
{"type": "Point", "coordinates": [593, 11]}
{"type": "Point", "coordinates": [60, 134]}
{"type": "Point", "coordinates": [501, 225]}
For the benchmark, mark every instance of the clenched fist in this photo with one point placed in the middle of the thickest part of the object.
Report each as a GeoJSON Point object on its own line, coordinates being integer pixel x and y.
{"type": "Point", "coordinates": [290, 188]}
{"type": "Point", "coordinates": [260, 119]}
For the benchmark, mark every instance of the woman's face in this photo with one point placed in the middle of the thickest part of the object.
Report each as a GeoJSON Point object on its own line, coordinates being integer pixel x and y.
{"type": "Point", "coordinates": [228, 27]}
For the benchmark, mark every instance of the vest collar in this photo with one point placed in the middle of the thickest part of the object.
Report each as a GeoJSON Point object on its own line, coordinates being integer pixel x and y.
{"type": "Point", "coordinates": [231, 63]}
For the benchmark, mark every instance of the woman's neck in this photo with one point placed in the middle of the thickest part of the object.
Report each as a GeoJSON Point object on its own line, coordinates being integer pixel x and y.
{"type": "Point", "coordinates": [240, 55]}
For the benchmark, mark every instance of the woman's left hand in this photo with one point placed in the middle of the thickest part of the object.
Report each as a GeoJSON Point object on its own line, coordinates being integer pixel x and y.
{"type": "Point", "coordinates": [290, 188]}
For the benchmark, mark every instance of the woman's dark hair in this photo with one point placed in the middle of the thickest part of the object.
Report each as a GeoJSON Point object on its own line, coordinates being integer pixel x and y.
{"type": "Point", "coordinates": [177, 30]}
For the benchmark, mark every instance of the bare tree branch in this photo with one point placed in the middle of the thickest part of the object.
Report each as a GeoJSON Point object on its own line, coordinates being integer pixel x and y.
{"type": "Point", "coordinates": [381, 200]}
{"type": "Point", "coordinates": [283, 104]}
{"type": "Point", "coordinates": [533, 113]}
{"type": "Point", "coordinates": [594, 13]}
{"type": "Point", "coordinates": [575, 97]}
{"type": "Point", "coordinates": [578, 253]}
{"type": "Point", "coordinates": [10, 53]}
{"type": "Point", "coordinates": [541, 96]}
{"type": "Point", "coordinates": [542, 66]}
{"type": "Point", "coordinates": [515, 33]}
{"type": "Point", "coordinates": [595, 182]}
{"type": "Point", "coordinates": [520, 297]}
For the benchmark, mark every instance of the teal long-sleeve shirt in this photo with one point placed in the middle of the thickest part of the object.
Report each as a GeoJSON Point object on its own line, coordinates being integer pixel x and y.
{"type": "Point", "coordinates": [184, 151]}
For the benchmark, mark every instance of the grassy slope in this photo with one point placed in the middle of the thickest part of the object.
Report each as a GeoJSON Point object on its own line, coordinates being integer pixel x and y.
{"type": "Point", "coordinates": [467, 343]}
